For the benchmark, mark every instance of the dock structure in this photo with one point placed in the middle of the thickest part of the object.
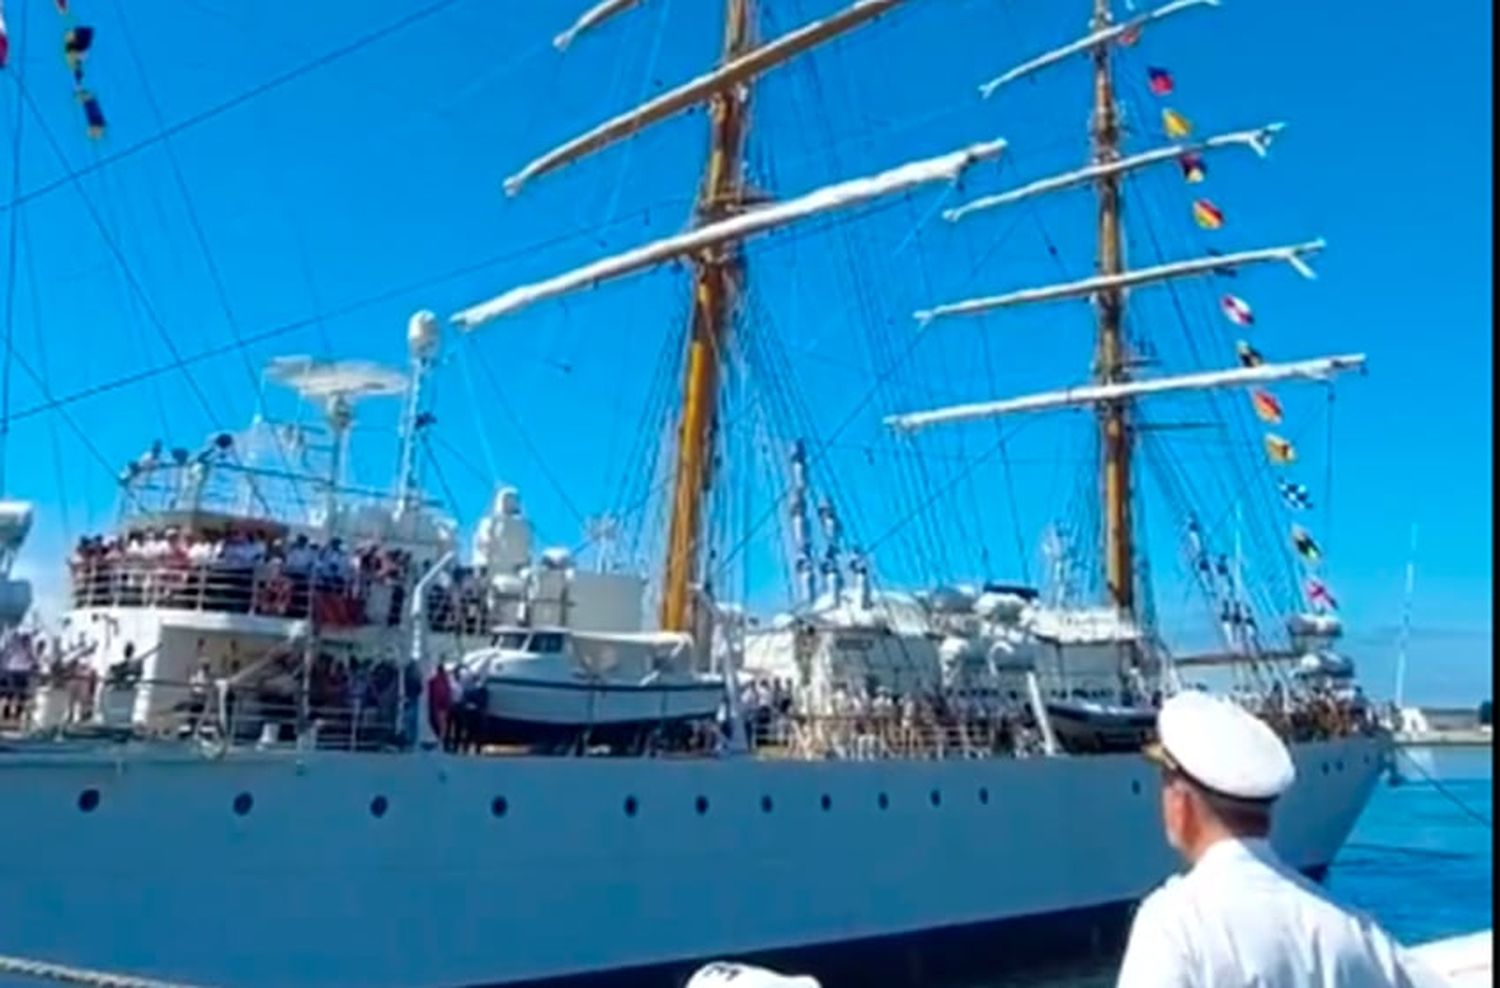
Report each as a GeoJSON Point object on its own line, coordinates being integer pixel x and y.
{"type": "Point", "coordinates": [1476, 737]}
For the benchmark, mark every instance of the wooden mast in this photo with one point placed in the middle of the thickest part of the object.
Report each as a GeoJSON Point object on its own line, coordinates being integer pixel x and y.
{"type": "Point", "coordinates": [1110, 365]}
{"type": "Point", "coordinates": [714, 281]}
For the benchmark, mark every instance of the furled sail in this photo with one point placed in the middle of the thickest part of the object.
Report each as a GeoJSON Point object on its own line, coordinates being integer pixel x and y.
{"type": "Point", "coordinates": [1092, 394]}
{"type": "Point", "coordinates": [590, 18]}
{"type": "Point", "coordinates": [1129, 279]}
{"type": "Point", "coordinates": [1101, 37]}
{"type": "Point", "coordinates": [732, 73]}
{"type": "Point", "coordinates": [842, 195]}
{"type": "Point", "coordinates": [1257, 140]}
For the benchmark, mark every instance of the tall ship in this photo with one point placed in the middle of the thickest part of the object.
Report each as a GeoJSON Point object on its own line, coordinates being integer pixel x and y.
{"type": "Point", "coordinates": [298, 730]}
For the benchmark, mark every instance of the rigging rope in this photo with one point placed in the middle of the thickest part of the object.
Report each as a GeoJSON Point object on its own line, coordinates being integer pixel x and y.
{"type": "Point", "coordinates": [349, 308]}
{"type": "Point", "coordinates": [275, 82]}
{"type": "Point", "coordinates": [59, 474]}
{"type": "Point", "coordinates": [10, 259]}
{"type": "Point", "coordinates": [1245, 485]}
{"type": "Point", "coordinates": [1328, 476]}
{"type": "Point", "coordinates": [114, 249]}
{"type": "Point", "coordinates": [497, 395]}
{"type": "Point", "coordinates": [215, 276]}
{"type": "Point", "coordinates": [1444, 791]}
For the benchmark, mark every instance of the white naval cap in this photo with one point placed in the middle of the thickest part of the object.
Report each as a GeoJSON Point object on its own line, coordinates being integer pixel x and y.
{"type": "Point", "coordinates": [721, 974]}
{"type": "Point", "coordinates": [1222, 747]}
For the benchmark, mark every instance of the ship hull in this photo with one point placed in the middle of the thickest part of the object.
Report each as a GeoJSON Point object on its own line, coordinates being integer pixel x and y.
{"type": "Point", "coordinates": [441, 870]}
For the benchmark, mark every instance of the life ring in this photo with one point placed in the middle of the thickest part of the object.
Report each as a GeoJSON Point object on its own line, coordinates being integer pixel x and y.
{"type": "Point", "coordinates": [275, 595]}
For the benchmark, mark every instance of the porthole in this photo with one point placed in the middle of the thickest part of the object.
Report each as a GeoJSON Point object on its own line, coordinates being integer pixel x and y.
{"type": "Point", "coordinates": [1325, 768]}
{"type": "Point", "coordinates": [498, 806]}
{"type": "Point", "coordinates": [935, 797]}
{"type": "Point", "coordinates": [701, 805]}
{"type": "Point", "coordinates": [631, 806]}
{"type": "Point", "coordinates": [765, 804]}
{"type": "Point", "coordinates": [1135, 786]}
{"type": "Point", "coordinates": [883, 801]}
{"type": "Point", "coordinates": [984, 796]}
{"type": "Point", "coordinates": [378, 806]}
{"type": "Point", "coordinates": [1339, 764]}
{"type": "Point", "coordinates": [88, 800]}
{"type": "Point", "coordinates": [242, 803]}
{"type": "Point", "coordinates": [827, 802]}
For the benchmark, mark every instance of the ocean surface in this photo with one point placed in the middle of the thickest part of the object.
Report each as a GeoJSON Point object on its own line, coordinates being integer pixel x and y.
{"type": "Point", "coordinates": [1420, 860]}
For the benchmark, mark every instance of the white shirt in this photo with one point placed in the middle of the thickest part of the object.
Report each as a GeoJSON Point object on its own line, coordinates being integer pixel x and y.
{"type": "Point", "coordinates": [1243, 918]}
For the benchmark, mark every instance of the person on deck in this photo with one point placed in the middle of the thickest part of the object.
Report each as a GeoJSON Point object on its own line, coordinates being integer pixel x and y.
{"type": "Point", "coordinates": [439, 703]}
{"type": "Point", "coordinates": [1240, 916]}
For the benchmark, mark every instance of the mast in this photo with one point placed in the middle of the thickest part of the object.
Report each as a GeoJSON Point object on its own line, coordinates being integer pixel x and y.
{"type": "Point", "coordinates": [1109, 359]}
{"type": "Point", "coordinates": [714, 277]}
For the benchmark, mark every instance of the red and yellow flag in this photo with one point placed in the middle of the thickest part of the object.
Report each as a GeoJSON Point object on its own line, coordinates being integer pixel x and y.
{"type": "Point", "coordinates": [1207, 215]}
{"type": "Point", "coordinates": [1267, 408]}
{"type": "Point", "coordinates": [1278, 450]}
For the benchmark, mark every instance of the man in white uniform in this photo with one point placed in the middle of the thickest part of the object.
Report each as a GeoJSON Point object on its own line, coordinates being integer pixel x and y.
{"type": "Point", "coordinates": [1240, 917]}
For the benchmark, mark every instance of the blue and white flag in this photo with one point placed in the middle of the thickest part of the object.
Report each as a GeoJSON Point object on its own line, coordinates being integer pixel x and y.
{"type": "Point", "coordinates": [1295, 495]}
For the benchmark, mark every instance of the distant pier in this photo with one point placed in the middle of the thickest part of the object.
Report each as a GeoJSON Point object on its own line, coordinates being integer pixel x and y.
{"type": "Point", "coordinates": [1474, 737]}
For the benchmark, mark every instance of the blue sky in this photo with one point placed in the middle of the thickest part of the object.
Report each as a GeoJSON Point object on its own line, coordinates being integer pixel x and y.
{"type": "Point", "coordinates": [336, 203]}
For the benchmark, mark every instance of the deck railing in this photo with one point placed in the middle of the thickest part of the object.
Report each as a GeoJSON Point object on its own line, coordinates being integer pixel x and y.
{"type": "Point", "coordinates": [215, 713]}
{"type": "Point", "coordinates": [277, 710]}
{"type": "Point", "coordinates": [268, 590]}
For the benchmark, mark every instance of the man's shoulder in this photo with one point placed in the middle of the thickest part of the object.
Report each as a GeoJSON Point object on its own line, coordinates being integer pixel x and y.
{"type": "Point", "coordinates": [1164, 902]}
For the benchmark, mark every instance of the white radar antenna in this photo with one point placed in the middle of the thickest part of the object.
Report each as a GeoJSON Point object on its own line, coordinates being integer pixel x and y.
{"type": "Point", "coordinates": [335, 386]}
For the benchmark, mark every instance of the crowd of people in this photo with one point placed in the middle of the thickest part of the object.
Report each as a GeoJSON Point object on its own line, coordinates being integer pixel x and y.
{"type": "Point", "coordinates": [245, 571]}
{"type": "Point", "coordinates": [857, 723]}
{"type": "Point", "coordinates": [28, 663]}
{"type": "Point", "coordinates": [354, 702]}
{"type": "Point", "coordinates": [864, 724]}
{"type": "Point", "coordinates": [1317, 713]}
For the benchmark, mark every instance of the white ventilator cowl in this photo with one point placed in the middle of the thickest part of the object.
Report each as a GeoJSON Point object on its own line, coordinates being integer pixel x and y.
{"type": "Point", "coordinates": [1224, 747]}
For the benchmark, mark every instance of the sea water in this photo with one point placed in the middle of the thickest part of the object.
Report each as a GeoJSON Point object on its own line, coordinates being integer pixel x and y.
{"type": "Point", "coordinates": [1419, 860]}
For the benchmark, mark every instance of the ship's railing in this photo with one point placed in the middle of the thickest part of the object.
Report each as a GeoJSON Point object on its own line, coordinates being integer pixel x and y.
{"type": "Point", "coordinates": [224, 487]}
{"type": "Point", "coordinates": [379, 712]}
{"type": "Point", "coordinates": [271, 591]}
{"type": "Point", "coordinates": [215, 713]}
{"type": "Point", "coordinates": [881, 736]}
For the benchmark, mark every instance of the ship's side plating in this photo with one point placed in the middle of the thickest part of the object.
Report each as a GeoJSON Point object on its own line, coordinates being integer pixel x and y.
{"type": "Point", "coordinates": [342, 869]}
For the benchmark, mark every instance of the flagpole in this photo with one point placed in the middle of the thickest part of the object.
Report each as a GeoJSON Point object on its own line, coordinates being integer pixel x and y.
{"type": "Point", "coordinates": [1411, 582]}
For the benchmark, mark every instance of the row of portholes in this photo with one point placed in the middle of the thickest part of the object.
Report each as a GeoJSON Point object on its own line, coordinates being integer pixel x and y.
{"type": "Point", "coordinates": [632, 805]}
{"type": "Point", "coordinates": [88, 800]}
